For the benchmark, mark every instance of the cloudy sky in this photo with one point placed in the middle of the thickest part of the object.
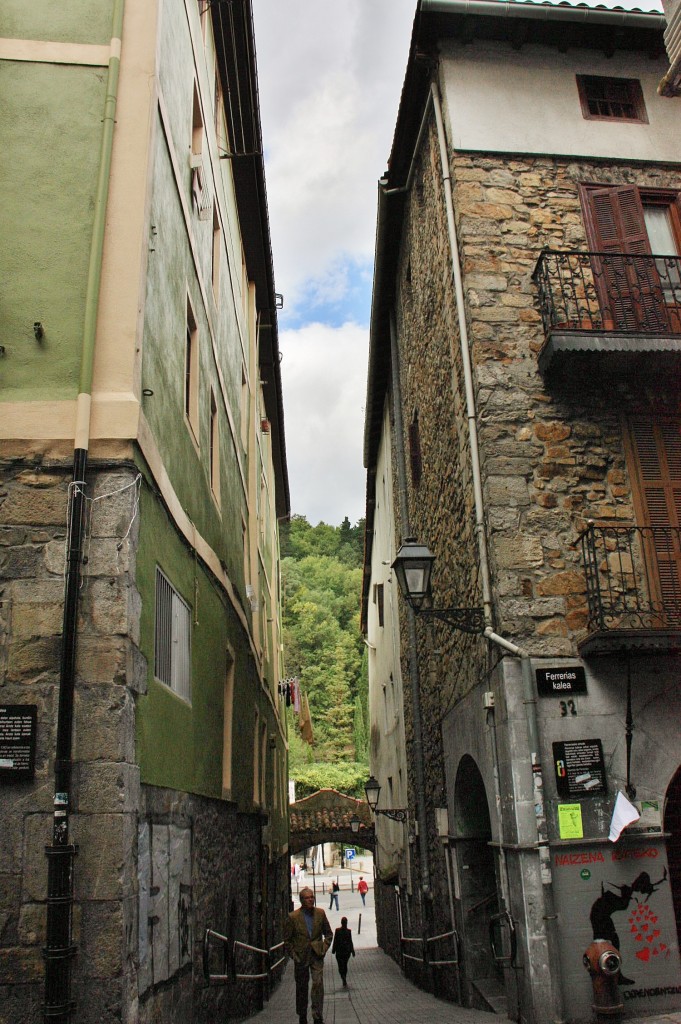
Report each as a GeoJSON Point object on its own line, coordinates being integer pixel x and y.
{"type": "Point", "coordinates": [330, 77]}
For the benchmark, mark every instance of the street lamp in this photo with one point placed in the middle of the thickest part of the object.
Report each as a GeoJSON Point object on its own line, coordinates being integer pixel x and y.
{"type": "Point", "coordinates": [413, 565]}
{"type": "Point", "coordinates": [355, 823]}
{"type": "Point", "coordinates": [373, 790]}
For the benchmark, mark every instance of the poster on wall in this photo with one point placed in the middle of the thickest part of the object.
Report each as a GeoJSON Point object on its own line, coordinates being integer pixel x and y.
{"type": "Point", "coordinates": [579, 768]}
{"type": "Point", "coordinates": [18, 725]}
{"type": "Point", "coordinates": [619, 892]}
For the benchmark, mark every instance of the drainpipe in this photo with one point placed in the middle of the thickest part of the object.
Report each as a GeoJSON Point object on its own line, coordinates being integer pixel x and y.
{"type": "Point", "coordinates": [526, 666]}
{"type": "Point", "coordinates": [59, 949]}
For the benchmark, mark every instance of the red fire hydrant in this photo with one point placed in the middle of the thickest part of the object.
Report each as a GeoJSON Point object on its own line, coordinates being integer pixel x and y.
{"type": "Point", "coordinates": [603, 962]}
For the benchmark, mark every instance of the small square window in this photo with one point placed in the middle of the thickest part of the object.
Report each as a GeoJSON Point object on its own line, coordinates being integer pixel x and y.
{"type": "Point", "coordinates": [611, 99]}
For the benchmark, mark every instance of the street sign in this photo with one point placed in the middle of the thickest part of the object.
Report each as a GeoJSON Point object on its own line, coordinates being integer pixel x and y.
{"type": "Point", "coordinates": [349, 853]}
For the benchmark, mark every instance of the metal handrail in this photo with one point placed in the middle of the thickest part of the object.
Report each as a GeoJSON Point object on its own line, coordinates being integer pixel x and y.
{"type": "Point", "coordinates": [231, 946]}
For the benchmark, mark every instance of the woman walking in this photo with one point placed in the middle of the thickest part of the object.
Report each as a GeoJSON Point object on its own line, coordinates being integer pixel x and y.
{"type": "Point", "coordinates": [343, 948]}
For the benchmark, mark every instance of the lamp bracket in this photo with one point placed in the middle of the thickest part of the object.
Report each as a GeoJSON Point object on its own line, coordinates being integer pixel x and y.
{"type": "Point", "coordinates": [467, 620]}
{"type": "Point", "coordinates": [394, 813]}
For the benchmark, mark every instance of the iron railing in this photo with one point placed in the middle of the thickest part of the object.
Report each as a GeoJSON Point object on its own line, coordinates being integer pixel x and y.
{"type": "Point", "coordinates": [609, 292]}
{"type": "Point", "coordinates": [633, 576]}
{"type": "Point", "coordinates": [259, 966]}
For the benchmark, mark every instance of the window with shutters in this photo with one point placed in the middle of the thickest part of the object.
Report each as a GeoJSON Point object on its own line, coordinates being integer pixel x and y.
{"type": "Point", "coordinates": [654, 455]}
{"type": "Point", "coordinates": [635, 239]}
{"type": "Point", "coordinates": [172, 639]}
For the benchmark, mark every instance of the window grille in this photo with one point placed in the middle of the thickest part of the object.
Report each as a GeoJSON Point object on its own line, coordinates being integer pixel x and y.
{"type": "Point", "coordinates": [172, 647]}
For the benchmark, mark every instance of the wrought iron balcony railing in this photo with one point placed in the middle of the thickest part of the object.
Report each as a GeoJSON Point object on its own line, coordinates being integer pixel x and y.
{"type": "Point", "coordinates": [609, 292]}
{"type": "Point", "coordinates": [633, 577]}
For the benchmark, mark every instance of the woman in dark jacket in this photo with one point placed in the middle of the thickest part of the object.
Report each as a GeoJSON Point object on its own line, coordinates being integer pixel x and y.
{"type": "Point", "coordinates": [343, 947]}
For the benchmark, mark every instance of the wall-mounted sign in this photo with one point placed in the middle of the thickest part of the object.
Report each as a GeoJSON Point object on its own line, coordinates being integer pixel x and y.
{"type": "Point", "coordinates": [556, 682]}
{"type": "Point", "coordinates": [18, 726]}
{"type": "Point", "coordinates": [579, 768]}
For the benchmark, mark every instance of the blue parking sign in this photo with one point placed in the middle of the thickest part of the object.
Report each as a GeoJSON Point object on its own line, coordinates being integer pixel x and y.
{"type": "Point", "coordinates": [349, 853]}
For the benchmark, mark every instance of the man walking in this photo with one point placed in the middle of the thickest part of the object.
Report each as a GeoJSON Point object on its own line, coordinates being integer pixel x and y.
{"type": "Point", "coordinates": [363, 889]}
{"type": "Point", "coordinates": [335, 889]}
{"type": "Point", "coordinates": [307, 937]}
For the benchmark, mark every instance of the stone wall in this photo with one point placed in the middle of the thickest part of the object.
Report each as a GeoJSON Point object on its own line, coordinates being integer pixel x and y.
{"type": "Point", "coordinates": [552, 452]}
{"type": "Point", "coordinates": [154, 867]}
{"type": "Point", "coordinates": [105, 784]}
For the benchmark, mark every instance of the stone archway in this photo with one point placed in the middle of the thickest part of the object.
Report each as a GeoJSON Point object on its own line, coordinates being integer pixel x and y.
{"type": "Point", "coordinates": [672, 825]}
{"type": "Point", "coordinates": [477, 899]}
{"type": "Point", "coordinates": [324, 817]}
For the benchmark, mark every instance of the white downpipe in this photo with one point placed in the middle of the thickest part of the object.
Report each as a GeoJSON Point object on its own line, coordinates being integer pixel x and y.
{"type": "Point", "coordinates": [466, 361]}
{"type": "Point", "coordinates": [526, 665]}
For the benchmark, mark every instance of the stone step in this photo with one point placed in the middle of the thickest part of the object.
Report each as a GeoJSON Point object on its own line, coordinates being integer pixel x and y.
{"type": "Point", "coordinates": [492, 993]}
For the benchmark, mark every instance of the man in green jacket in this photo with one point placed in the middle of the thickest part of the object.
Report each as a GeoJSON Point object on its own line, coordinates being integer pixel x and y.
{"type": "Point", "coordinates": [307, 937]}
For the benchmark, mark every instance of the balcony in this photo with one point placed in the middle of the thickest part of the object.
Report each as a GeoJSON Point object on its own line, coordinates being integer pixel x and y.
{"type": "Point", "coordinates": [633, 588]}
{"type": "Point", "coordinates": [607, 304]}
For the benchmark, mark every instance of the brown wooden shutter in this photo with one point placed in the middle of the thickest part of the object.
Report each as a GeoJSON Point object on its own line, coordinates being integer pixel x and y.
{"type": "Point", "coordinates": [629, 290]}
{"type": "Point", "coordinates": [656, 447]}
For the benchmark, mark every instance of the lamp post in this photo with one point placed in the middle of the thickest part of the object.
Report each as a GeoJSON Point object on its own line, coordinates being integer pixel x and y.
{"type": "Point", "coordinates": [413, 566]}
{"type": "Point", "coordinates": [373, 791]}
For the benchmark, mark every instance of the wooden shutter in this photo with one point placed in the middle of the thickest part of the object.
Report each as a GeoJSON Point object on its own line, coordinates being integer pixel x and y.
{"type": "Point", "coordinates": [656, 450]}
{"type": "Point", "coordinates": [629, 290]}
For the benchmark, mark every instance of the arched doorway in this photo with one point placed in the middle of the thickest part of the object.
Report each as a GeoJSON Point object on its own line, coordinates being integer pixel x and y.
{"type": "Point", "coordinates": [476, 891]}
{"type": "Point", "coordinates": [672, 825]}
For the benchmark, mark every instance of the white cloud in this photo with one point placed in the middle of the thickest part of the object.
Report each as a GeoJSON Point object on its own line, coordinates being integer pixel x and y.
{"type": "Point", "coordinates": [330, 77]}
{"type": "Point", "coordinates": [324, 381]}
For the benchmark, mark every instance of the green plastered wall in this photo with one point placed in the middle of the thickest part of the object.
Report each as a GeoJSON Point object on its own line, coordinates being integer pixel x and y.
{"type": "Point", "coordinates": [50, 127]}
{"type": "Point", "coordinates": [78, 21]}
{"type": "Point", "coordinates": [180, 745]}
{"type": "Point", "coordinates": [171, 277]}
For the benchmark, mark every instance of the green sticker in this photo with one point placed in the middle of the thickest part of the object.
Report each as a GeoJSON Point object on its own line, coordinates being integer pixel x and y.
{"type": "Point", "coordinates": [585, 874]}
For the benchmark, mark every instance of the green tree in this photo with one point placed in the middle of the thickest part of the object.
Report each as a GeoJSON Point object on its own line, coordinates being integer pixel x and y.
{"type": "Point", "coordinates": [321, 578]}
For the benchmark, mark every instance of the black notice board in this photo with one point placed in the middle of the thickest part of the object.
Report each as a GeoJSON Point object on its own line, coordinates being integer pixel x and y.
{"type": "Point", "coordinates": [18, 727]}
{"type": "Point", "coordinates": [579, 768]}
{"type": "Point", "coordinates": [556, 682]}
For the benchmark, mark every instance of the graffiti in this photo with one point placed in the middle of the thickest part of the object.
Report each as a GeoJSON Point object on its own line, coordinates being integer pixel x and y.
{"type": "Point", "coordinates": [588, 857]}
{"type": "Point", "coordinates": [616, 899]}
{"type": "Point", "coordinates": [184, 923]}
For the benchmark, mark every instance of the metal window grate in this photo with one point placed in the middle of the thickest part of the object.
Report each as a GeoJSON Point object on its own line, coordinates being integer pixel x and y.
{"type": "Point", "coordinates": [172, 645]}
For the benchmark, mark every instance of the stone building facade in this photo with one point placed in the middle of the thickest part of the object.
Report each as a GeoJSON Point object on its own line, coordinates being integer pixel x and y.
{"type": "Point", "coordinates": [487, 230]}
{"type": "Point", "coordinates": [143, 749]}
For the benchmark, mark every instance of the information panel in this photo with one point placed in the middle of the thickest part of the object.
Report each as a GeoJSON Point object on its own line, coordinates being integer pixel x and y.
{"type": "Point", "coordinates": [18, 726]}
{"type": "Point", "coordinates": [579, 767]}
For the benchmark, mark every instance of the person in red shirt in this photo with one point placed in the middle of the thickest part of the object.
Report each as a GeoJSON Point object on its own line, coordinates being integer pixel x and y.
{"type": "Point", "coordinates": [362, 889]}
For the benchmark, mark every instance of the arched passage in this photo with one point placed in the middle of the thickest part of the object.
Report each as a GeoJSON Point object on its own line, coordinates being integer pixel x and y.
{"type": "Point", "coordinates": [672, 825]}
{"type": "Point", "coordinates": [477, 900]}
{"type": "Point", "coordinates": [325, 817]}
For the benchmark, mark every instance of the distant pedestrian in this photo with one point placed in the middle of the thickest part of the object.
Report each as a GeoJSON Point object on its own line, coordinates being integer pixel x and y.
{"type": "Point", "coordinates": [362, 889]}
{"type": "Point", "coordinates": [342, 949]}
{"type": "Point", "coordinates": [307, 937]}
{"type": "Point", "coordinates": [335, 889]}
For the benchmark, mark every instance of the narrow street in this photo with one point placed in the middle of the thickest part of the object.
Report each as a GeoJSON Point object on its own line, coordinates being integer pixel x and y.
{"type": "Point", "coordinates": [377, 991]}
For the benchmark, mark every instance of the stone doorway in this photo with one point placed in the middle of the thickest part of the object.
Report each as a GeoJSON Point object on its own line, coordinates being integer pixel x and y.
{"type": "Point", "coordinates": [477, 899]}
{"type": "Point", "coordinates": [672, 825]}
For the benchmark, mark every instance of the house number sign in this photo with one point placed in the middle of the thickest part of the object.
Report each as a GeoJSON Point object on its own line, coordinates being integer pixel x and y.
{"type": "Point", "coordinates": [18, 726]}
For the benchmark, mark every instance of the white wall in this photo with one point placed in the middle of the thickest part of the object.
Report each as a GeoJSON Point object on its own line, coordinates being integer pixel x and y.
{"type": "Point", "coordinates": [386, 713]}
{"type": "Point", "coordinates": [482, 116]}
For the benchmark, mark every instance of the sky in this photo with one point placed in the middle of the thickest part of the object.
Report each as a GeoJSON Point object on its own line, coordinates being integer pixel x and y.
{"type": "Point", "coordinates": [330, 76]}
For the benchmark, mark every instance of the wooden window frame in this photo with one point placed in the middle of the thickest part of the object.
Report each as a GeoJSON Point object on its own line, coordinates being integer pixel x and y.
{"type": "Point", "coordinates": [214, 448]}
{"type": "Point", "coordinates": [172, 638]}
{"type": "Point", "coordinates": [635, 99]}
